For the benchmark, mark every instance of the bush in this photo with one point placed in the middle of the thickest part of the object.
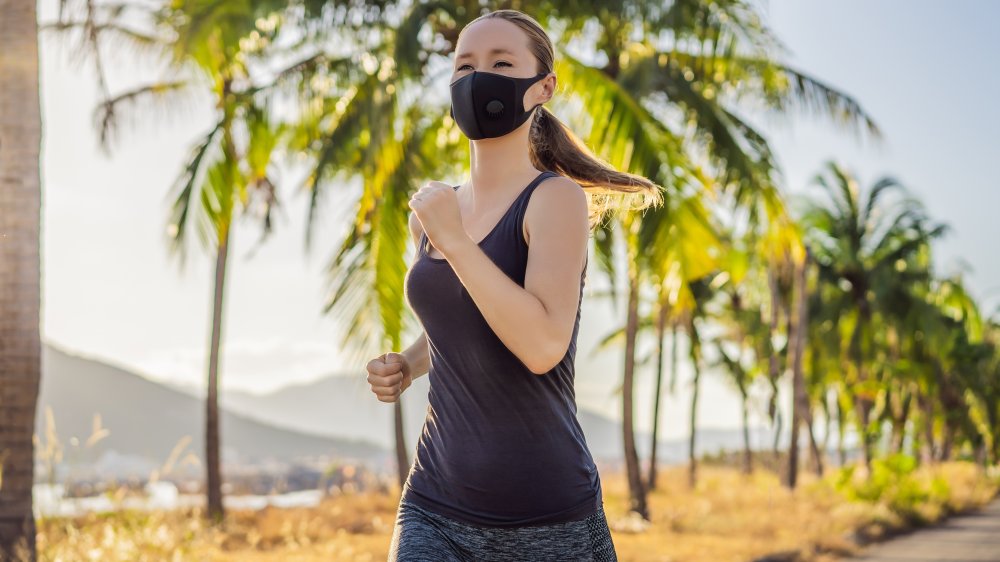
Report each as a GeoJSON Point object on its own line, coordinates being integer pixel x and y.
{"type": "Point", "coordinates": [895, 482]}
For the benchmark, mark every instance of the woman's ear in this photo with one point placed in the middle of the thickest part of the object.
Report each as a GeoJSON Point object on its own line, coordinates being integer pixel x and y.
{"type": "Point", "coordinates": [546, 89]}
{"type": "Point", "coordinates": [551, 83]}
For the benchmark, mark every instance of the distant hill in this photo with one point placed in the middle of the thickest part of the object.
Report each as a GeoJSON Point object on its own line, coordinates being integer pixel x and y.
{"type": "Point", "coordinates": [336, 416]}
{"type": "Point", "coordinates": [336, 406]}
{"type": "Point", "coordinates": [344, 406]}
{"type": "Point", "coordinates": [146, 420]}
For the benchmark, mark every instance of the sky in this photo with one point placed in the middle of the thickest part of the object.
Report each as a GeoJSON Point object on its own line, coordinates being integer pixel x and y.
{"type": "Point", "coordinates": [927, 75]}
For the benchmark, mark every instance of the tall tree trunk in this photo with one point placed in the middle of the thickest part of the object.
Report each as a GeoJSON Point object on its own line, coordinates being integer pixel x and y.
{"type": "Point", "coordinates": [862, 403]}
{"type": "Point", "coordinates": [797, 341]}
{"type": "Point", "coordinates": [818, 448]}
{"type": "Point", "coordinates": [773, 365]}
{"type": "Point", "coordinates": [992, 415]}
{"type": "Point", "coordinates": [947, 442]}
{"type": "Point", "coordinates": [927, 447]}
{"type": "Point", "coordinates": [816, 455]}
{"type": "Point", "coordinates": [637, 491]}
{"type": "Point", "coordinates": [696, 364]}
{"type": "Point", "coordinates": [661, 333]}
{"type": "Point", "coordinates": [827, 424]}
{"type": "Point", "coordinates": [747, 453]}
{"type": "Point", "coordinates": [741, 382]}
{"type": "Point", "coordinates": [402, 459]}
{"type": "Point", "coordinates": [841, 425]}
{"type": "Point", "coordinates": [20, 273]}
{"type": "Point", "coordinates": [213, 475]}
{"type": "Point", "coordinates": [899, 425]}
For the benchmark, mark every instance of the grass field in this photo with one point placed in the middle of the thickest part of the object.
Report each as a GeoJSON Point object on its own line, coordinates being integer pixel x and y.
{"type": "Point", "coordinates": [727, 517]}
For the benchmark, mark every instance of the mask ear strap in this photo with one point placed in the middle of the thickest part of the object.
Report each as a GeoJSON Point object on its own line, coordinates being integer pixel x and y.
{"type": "Point", "coordinates": [534, 80]}
{"type": "Point", "coordinates": [538, 77]}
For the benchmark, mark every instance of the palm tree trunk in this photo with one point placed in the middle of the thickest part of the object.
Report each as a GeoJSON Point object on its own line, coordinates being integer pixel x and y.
{"type": "Point", "coordinates": [797, 340]}
{"type": "Point", "coordinates": [692, 458]}
{"type": "Point", "coordinates": [213, 478]}
{"type": "Point", "coordinates": [816, 456]}
{"type": "Point", "coordinates": [741, 382]}
{"type": "Point", "coordinates": [841, 425]}
{"type": "Point", "coordinates": [899, 425]}
{"type": "Point", "coordinates": [827, 423]}
{"type": "Point", "coordinates": [20, 273]}
{"type": "Point", "coordinates": [818, 448]}
{"type": "Point", "coordinates": [660, 336]}
{"type": "Point", "coordinates": [637, 492]}
{"type": "Point", "coordinates": [773, 367]}
{"type": "Point", "coordinates": [747, 453]}
{"type": "Point", "coordinates": [947, 441]}
{"type": "Point", "coordinates": [927, 447]}
{"type": "Point", "coordinates": [862, 403]}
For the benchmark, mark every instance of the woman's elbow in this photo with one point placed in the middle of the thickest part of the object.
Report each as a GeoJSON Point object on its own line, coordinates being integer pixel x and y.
{"type": "Point", "coordinates": [547, 357]}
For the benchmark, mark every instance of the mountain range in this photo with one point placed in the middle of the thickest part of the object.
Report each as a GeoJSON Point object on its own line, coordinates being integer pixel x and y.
{"type": "Point", "coordinates": [145, 421]}
{"type": "Point", "coordinates": [336, 416]}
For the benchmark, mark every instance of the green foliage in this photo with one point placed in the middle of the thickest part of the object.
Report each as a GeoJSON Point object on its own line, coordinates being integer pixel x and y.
{"type": "Point", "coordinates": [895, 482]}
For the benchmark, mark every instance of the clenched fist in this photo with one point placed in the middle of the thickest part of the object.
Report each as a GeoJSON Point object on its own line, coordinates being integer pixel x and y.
{"type": "Point", "coordinates": [436, 206]}
{"type": "Point", "coordinates": [389, 375]}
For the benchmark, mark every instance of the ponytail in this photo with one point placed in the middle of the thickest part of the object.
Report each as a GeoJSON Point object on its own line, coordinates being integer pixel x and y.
{"type": "Point", "coordinates": [555, 147]}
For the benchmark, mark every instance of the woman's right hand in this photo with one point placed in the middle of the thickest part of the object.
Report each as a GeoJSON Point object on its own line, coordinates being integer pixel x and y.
{"type": "Point", "coordinates": [389, 375]}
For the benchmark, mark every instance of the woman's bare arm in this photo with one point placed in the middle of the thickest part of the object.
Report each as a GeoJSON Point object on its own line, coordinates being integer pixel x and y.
{"type": "Point", "coordinates": [417, 354]}
{"type": "Point", "coordinates": [417, 357]}
{"type": "Point", "coordinates": [535, 321]}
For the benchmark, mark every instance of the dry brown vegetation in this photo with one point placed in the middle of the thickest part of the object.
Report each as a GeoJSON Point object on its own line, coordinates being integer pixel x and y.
{"type": "Point", "coordinates": [727, 517]}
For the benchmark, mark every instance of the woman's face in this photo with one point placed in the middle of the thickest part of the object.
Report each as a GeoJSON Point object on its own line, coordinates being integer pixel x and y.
{"type": "Point", "coordinates": [499, 46]}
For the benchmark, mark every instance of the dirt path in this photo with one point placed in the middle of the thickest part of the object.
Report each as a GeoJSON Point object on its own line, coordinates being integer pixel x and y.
{"type": "Point", "coordinates": [973, 537]}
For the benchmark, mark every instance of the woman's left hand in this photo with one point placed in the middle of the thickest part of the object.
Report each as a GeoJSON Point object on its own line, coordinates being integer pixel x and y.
{"type": "Point", "coordinates": [436, 206]}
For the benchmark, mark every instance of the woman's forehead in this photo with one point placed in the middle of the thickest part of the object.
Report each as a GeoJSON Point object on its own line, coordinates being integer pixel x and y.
{"type": "Point", "coordinates": [491, 36]}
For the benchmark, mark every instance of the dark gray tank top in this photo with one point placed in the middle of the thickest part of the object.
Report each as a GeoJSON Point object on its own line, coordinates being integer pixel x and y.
{"type": "Point", "coordinates": [501, 446]}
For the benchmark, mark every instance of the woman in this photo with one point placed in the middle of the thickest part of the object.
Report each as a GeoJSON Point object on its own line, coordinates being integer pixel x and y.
{"type": "Point", "coordinates": [502, 468]}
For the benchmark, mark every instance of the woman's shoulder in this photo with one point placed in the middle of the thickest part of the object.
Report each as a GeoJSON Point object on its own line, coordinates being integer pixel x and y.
{"type": "Point", "coordinates": [557, 200]}
{"type": "Point", "coordinates": [557, 192]}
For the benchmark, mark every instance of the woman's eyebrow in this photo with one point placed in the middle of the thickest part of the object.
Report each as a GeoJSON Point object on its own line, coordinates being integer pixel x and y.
{"type": "Point", "coordinates": [493, 51]}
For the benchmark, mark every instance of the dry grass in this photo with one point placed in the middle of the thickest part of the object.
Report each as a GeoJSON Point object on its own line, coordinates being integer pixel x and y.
{"type": "Point", "coordinates": [728, 517]}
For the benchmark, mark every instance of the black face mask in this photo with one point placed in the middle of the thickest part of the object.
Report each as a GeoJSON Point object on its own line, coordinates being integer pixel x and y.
{"type": "Point", "coordinates": [488, 105]}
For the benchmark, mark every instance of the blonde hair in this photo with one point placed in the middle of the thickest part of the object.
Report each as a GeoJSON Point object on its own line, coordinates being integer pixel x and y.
{"type": "Point", "coordinates": [555, 147]}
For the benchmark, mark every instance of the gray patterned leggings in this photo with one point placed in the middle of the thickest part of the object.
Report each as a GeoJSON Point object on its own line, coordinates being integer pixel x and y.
{"type": "Point", "coordinates": [423, 536]}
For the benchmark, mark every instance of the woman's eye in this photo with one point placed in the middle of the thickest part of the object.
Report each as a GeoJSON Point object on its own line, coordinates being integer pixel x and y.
{"type": "Point", "coordinates": [494, 64]}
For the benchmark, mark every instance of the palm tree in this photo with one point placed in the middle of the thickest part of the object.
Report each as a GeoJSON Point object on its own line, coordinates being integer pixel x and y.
{"type": "Point", "coordinates": [682, 245]}
{"type": "Point", "coordinates": [663, 311]}
{"type": "Point", "coordinates": [215, 201]}
{"type": "Point", "coordinates": [20, 273]}
{"type": "Point", "coordinates": [684, 256]}
{"type": "Point", "coordinates": [798, 331]}
{"type": "Point", "coordinates": [223, 180]}
{"type": "Point", "coordinates": [229, 170]}
{"type": "Point", "coordinates": [989, 370]}
{"type": "Point", "coordinates": [744, 327]}
{"type": "Point", "coordinates": [952, 340]}
{"type": "Point", "coordinates": [702, 293]}
{"type": "Point", "coordinates": [858, 243]}
{"type": "Point", "coordinates": [670, 104]}
{"type": "Point", "coordinates": [382, 131]}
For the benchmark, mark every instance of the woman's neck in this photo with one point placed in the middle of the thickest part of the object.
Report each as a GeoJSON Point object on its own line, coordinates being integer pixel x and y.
{"type": "Point", "coordinates": [501, 162]}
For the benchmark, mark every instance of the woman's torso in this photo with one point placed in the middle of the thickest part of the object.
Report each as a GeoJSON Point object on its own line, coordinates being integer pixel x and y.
{"type": "Point", "coordinates": [501, 446]}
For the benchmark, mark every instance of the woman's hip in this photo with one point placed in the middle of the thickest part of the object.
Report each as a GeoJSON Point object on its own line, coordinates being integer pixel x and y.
{"type": "Point", "coordinates": [420, 535]}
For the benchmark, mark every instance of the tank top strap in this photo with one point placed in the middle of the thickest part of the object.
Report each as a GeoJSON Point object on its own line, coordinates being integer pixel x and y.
{"type": "Point", "coordinates": [522, 199]}
{"type": "Point", "coordinates": [520, 205]}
